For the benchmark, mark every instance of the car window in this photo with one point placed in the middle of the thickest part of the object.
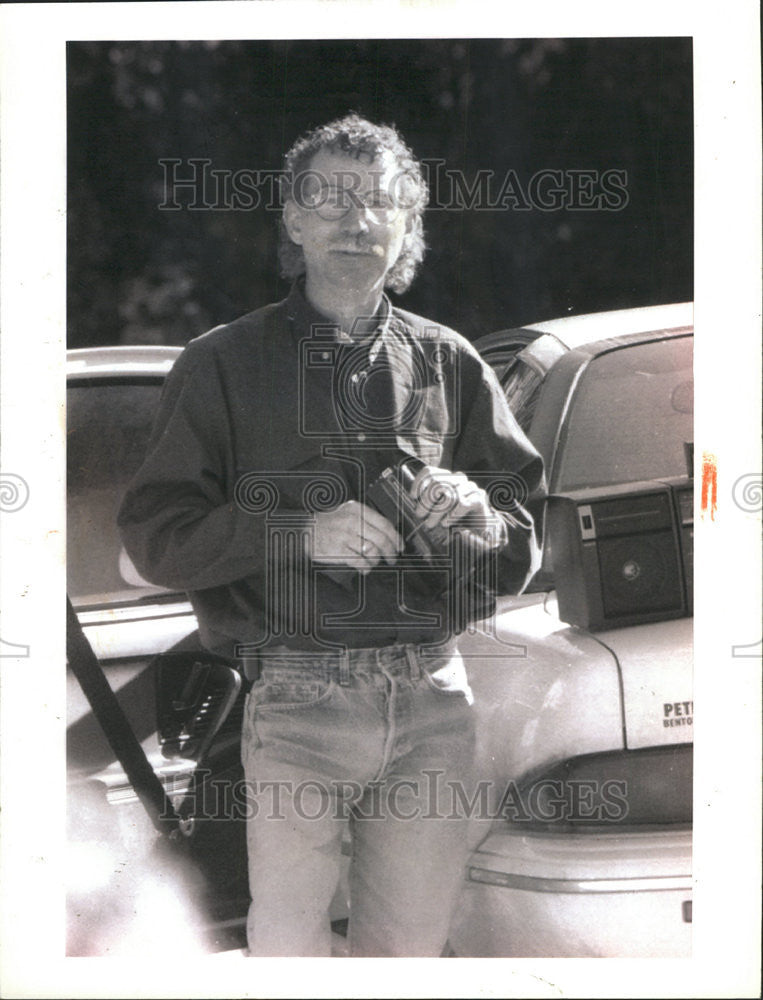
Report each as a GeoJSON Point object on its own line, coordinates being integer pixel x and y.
{"type": "Point", "coordinates": [521, 383]}
{"type": "Point", "coordinates": [108, 425]}
{"type": "Point", "coordinates": [522, 372]}
{"type": "Point", "coordinates": [630, 417]}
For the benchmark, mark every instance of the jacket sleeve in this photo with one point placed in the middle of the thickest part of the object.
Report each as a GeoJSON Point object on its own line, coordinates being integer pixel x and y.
{"type": "Point", "coordinates": [495, 453]}
{"type": "Point", "coordinates": [179, 518]}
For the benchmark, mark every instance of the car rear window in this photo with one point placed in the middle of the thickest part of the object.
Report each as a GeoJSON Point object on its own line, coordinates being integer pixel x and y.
{"type": "Point", "coordinates": [521, 383]}
{"type": "Point", "coordinates": [631, 417]}
{"type": "Point", "coordinates": [108, 426]}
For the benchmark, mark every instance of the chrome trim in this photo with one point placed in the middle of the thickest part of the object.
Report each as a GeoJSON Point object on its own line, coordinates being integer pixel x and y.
{"type": "Point", "coordinates": [116, 615]}
{"type": "Point", "coordinates": [175, 776]}
{"type": "Point", "coordinates": [124, 795]}
{"type": "Point", "coordinates": [532, 883]}
{"type": "Point", "coordinates": [230, 922]}
{"type": "Point", "coordinates": [121, 361]}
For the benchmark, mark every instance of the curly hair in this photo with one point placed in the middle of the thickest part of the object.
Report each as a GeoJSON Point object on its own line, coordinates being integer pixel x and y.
{"type": "Point", "coordinates": [353, 135]}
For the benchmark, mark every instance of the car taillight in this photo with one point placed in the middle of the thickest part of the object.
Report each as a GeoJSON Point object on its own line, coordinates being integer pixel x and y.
{"type": "Point", "coordinates": [651, 786]}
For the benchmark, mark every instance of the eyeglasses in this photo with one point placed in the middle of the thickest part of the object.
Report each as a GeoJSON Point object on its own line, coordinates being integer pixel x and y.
{"type": "Point", "coordinates": [333, 203]}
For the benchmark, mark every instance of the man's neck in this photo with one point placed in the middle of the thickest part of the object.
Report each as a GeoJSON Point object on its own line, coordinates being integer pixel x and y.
{"type": "Point", "coordinates": [357, 313]}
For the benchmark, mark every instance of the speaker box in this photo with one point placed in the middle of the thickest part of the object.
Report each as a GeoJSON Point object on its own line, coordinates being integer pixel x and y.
{"type": "Point", "coordinates": [623, 555]}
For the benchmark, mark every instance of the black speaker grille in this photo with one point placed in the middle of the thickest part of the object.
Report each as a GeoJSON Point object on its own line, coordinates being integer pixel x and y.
{"type": "Point", "coordinates": [640, 573]}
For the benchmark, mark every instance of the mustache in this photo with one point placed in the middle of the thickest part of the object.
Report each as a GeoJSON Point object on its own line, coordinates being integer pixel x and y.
{"type": "Point", "coordinates": [357, 246]}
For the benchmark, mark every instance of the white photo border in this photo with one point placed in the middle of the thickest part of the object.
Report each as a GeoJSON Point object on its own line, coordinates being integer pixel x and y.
{"type": "Point", "coordinates": [727, 592]}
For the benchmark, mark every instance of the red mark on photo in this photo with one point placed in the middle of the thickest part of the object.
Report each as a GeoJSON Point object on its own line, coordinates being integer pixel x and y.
{"type": "Point", "coordinates": [709, 485]}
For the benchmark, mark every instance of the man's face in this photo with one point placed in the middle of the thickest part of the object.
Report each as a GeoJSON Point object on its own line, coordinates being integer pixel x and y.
{"type": "Point", "coordinates": [346, 219]}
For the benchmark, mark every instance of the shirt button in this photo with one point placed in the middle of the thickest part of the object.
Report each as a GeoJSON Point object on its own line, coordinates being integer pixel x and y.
{"type": "Point", "coordinates": [361, 436]}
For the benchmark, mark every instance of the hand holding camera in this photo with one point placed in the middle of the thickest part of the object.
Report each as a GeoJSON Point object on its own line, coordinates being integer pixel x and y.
{"type": "Point", "coordinates": [430, 507]}
{"type": "Point", "coordinates": [413, 509]}
{"type": "Point", "coordinates": [354, 534]}
{"type": "Point", "coordinates": [449, 500]}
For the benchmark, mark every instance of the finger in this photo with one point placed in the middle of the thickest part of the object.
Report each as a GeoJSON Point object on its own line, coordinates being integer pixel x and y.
{"type": "Point", "coordinates": [442, 500]}
{"type": "Point", "coordinates": [436, 494]}
{"type": "Point", "coordinates": [348, 549]}
{"type": "Point", "coordinates": [345, 531]}
{"type": "Point", "coordinates": [471, 503]}
{"type": "Point", "coordinates": [337, 534]}
{"type": "Point", "coordinates": [377, 545]}
{"type": "Point", "coordinates": [381, 534]}
{"type": "Point", "coordinates": [369, 556]}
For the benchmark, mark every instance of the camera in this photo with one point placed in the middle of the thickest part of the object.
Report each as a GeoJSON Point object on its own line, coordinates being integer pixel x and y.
{"type": "Point", "coordinates": [460, 550]}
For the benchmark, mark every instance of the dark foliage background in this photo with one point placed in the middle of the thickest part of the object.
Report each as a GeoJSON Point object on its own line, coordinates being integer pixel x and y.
{"type": "Point", "coordinates": [138, 274]}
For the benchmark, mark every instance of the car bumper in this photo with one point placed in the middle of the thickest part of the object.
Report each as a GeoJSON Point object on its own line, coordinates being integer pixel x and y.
{"type": "Point", "coordinates": [625, 894]}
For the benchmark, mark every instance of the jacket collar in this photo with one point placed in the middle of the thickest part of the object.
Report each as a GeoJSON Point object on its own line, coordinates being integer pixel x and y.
{"type": "Point", "coordinates": [308, 322]}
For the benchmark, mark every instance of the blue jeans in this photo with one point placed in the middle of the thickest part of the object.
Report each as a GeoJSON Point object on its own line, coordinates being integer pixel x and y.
{"type": "Point", "coordinates": [376, 739]}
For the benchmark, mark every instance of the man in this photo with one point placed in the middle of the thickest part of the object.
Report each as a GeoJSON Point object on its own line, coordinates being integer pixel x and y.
{"type": "Point", "coordinates": [263, 494]}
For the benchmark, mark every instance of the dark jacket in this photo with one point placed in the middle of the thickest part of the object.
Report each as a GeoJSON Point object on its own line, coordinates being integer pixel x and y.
{"type": "Point", "coordinates": [269, 419]}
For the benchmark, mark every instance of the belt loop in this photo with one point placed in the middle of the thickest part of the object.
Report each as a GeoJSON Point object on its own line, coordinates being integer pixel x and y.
{"type": "Point", "coordinates": [344, 668]}
{"type": "Point", "coordinates": [251, 667]}
{"type": "Point", "coordinates": [413, 663]}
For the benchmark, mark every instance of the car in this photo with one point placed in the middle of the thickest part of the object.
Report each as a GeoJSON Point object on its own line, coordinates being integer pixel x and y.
{"type": "Point", "coordinates": [581, 820]}
{"type": "Point", "coordinates": [585, 722]}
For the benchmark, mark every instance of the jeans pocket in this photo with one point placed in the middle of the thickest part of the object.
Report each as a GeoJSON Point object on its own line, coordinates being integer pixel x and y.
{"type": "Point", "coordinates": [448, 678]}
{"type": "Point", "coordinates": [281, 690]}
